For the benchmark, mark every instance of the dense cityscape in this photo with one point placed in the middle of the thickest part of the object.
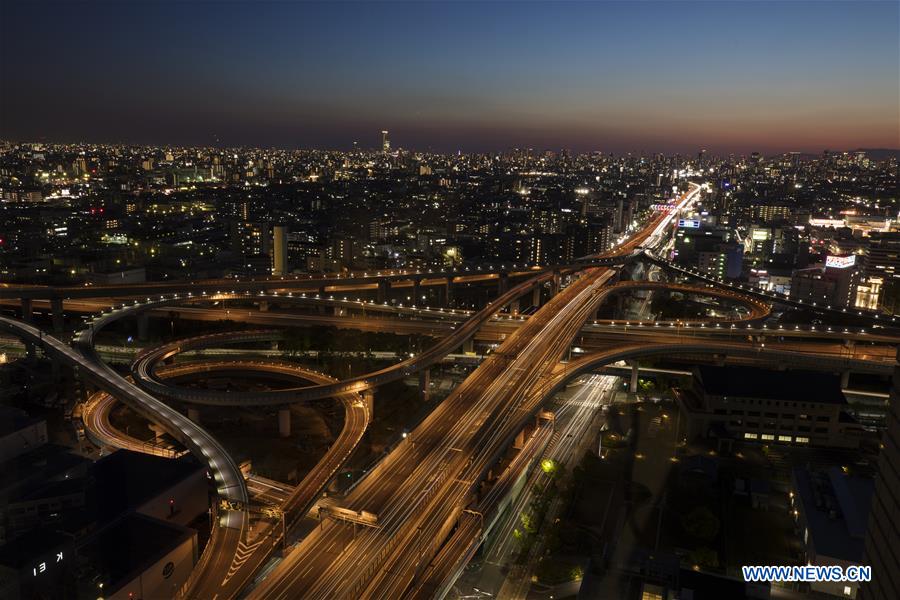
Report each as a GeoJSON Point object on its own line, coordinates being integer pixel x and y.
{"type": "Point", "coordinates": [364, 365]}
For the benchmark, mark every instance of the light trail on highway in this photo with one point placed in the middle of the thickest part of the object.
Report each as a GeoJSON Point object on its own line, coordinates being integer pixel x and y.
{"type": "Point", "coordinates": [418, 490]}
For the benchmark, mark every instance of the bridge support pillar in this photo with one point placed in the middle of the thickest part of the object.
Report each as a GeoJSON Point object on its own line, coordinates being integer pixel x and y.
{"type": "Point", "coordinates": [158, 432]}
{"type": "Point", "coordinates": [519, 442]}
{"type": "Point", "coordinates": [56, 308]}
{"type": "Point", "coordinates": [448, 293]}
{"type": "Point", "coordinates": [193, 414]}
{"type": "Point", "coordinates": [502, 283]}
{"type": "Point", "coordinates": [263, 306]}
{"type": "Point", "coordinates": [340, 311]}
{"type": "Point", "coordinates": [514, 307]}
{"type": "Point", "coordinates": [384, 287]}
{"type": "Point", "coordinates": [633, 384]}
{"type": "Point", "coordinates": [845, 380]}
{"type": "Point", "coordinates": [536, 296]}
{"type": "Point", "coordinates": [321, 291]}
{"type": "Point", "coordinates": [284, 421]}
{"type": "Point", "coordinates": [143, 326]}
{"type": "Point", "coordinates": [468, 346]}
{"type": "Point", "coordinates": [424, 384]}
{"type": "Point", "coordinates": [555, 283]}
{"type": "Point", "coordinates": [368, 397]}
{"type": "Point", "coordinates": [417, 291]}
{"type": "Point", "coordinates": [27, 309]}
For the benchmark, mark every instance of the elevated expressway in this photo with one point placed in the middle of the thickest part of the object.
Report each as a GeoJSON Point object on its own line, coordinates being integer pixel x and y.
{"type": "Point", "coordinates": [470, 532]}
{"type": "Point", "coordinates": [867, 316]}
{"type": "Point", "coordinates": [231, 525]}
{"type": "Point", "coordinates": [420, 489]}
{"type": "Point", "coordinates": [293, 502]}
{"type": "Point", "coordinates": [214, 576]}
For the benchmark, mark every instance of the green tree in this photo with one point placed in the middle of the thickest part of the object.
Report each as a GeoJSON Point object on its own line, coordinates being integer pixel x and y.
{"type": "Point", "coordinates": [701, 523]}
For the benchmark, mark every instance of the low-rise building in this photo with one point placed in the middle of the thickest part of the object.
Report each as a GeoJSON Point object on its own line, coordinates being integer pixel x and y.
{"type": "Point", "coordinates": [759, 405]}
{"type": "Point", "coordinates": [831, 509]}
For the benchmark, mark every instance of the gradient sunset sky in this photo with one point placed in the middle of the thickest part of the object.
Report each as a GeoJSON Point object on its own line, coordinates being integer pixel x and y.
{"type": "Point", "coordinates": [470, 76]}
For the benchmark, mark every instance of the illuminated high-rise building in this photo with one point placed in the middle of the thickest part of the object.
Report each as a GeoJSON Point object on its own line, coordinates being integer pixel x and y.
{"type": "Point", "coordinates": [279, 250]}
{"type": "Point", "coordinates": [385, 142]}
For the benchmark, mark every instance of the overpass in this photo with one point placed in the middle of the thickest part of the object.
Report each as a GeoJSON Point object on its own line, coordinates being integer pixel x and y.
{"type": "Point", "coordinates": [419, 490]}
{"type": "Point", "coordinates": [873, 317]}
{"type": "Point", "coordinates": [231, 525]}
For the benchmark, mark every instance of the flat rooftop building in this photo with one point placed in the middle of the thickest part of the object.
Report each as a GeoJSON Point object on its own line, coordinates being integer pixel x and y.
{"type": "Point", "coordinates": [760, 405]}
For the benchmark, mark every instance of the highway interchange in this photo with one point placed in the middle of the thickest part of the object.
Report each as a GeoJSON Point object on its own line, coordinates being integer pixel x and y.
{"type": "Point", "coordinates": [425, 492]}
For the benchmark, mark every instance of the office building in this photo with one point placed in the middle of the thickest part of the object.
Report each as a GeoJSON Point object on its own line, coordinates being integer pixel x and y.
{"type": "Point", "coordinates": [771, 407]}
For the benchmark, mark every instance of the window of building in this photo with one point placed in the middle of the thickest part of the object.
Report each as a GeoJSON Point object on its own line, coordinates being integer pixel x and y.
{"type": "Point", "coordinates": [750, 436]}
{"type": "Point", "coordinates": [784, 438]}
{"type": "Point", "coordinates": [848, 591]}
{"type": "Point", "coordinates": [767, 437]}
{"type": "Point", "coordinates": [802, 440]}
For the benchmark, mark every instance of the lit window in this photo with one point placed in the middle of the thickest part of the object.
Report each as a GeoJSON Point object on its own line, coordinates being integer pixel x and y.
{"type": "Point", "coordinates": [784, 438]}
{"type": "Point", "coordinates": [768, 437]}
{"type": "Point", "coordinates": [750, 436]}
{"type": "Point", "coordinates": [848, 591]}
{"type": "Point", "coordinates": [802, 440]}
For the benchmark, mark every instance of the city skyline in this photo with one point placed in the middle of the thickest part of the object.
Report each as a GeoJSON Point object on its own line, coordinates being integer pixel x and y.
{"type": "Point", "coordinates": [612, 77]}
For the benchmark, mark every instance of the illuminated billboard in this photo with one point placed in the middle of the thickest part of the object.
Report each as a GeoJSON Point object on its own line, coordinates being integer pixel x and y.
{"type": "Point", "coordinates": [840, 262]}
{"type": "Point", "coordinates": [689, 223]}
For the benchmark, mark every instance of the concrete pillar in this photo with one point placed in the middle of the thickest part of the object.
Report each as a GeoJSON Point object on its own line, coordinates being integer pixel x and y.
{"type": "Point", "coordinates": [845, 380]}
{"type": "Point", "coordinates": [469, 345]}
{"type": "Point", "coordinates": [193, 414]}
{"type": "Point", "coordinates": [384, 287]}
{"type": "Point", "coordinates": [555, 284]}
{"type": "Point", "coordinates": [27, 309]}
{"type": "Point", "coordinates": [143, 322]}
{"type": "Point", "coordinates": [514, 307]}
{"type": "Point", "coordinates": [633, 385]}
{"type": "Point", "coordinates": [448, 296]}
{"type": "Point", "coordinates": [502, 283]}
{"type": "Point", "coordinates": [56, 308]}
{"type": "Point", "coordinates": [284, 422]}
{"type": "Point", "coordinates": [368, 397]}
{"type": "Point", "coordinates": [322, 291]}
{"type": "Point", "coordinates": [263, 306]}
{"type": "Point", "coordinates": [536, 296]}
{"type": "Point", "coordinates": [158, 432]}
{"type": "Point", "coordinates": [519, 442]}
{"type": "Point", "coordinates": [417, 291]}
{"type": "Point", "coordinates": [424, 384]}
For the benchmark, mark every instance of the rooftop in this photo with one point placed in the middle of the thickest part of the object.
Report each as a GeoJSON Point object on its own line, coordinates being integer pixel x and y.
{"type": "Point", "coordinates": [836, 509]}
{"type": "Point", "coordinates": [749, 382]}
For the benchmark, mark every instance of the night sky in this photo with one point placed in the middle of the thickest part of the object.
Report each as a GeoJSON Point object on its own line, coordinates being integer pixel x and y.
{"type": "Point", "coordinates": [616, 77]}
